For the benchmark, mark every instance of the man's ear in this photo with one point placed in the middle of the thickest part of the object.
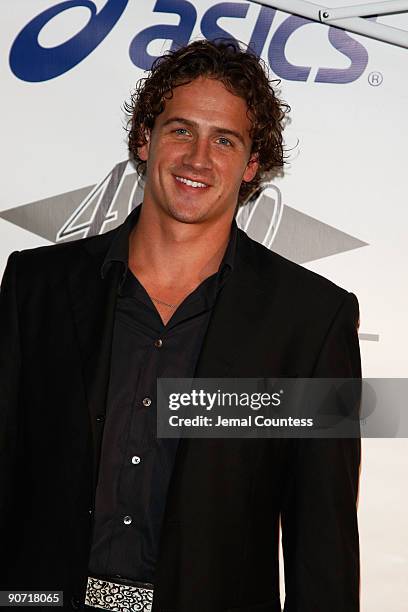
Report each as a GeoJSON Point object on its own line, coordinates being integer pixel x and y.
{"type": "Point", "coordinates": [251, 168]}
{"type": "Point", "coordinates": [143, 151]}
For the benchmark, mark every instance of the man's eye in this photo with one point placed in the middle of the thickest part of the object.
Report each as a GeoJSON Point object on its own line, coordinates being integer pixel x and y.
{"type": "Point", "coordinates": [224, 141]}
{"type": "Point", "coordinates": [181, 131]}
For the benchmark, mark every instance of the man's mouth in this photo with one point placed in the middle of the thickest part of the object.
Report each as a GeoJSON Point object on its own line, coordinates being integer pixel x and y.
{"type": "Point", "coordinates": [191, 183]}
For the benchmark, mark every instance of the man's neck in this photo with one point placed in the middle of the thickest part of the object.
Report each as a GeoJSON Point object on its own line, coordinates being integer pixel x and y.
{"type": "Point", "coordinates": [165, 253]}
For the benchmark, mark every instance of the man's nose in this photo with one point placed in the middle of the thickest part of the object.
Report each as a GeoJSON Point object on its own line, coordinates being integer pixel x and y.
{"type": "Point", "coordinates": [198, 154]}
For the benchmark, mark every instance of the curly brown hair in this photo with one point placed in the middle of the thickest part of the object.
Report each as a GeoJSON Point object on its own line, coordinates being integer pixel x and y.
{"type": "Point", "coordinates": [242, 73]}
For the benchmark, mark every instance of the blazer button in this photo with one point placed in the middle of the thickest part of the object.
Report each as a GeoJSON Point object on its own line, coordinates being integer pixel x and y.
{"type": "Point", "coordinates": [100, 418]}
{"type": "Point", "coordinates": [75, 603]}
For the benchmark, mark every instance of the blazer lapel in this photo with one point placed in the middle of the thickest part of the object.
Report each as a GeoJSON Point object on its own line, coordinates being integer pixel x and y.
{"type": "Point", "coordinates": [93, 301]}
{"type": "Point", "coordinates": [231, 331]}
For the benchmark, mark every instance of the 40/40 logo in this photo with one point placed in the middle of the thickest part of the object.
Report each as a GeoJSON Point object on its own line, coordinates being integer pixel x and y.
{"type": "Point", "coordinates": [32, 62]}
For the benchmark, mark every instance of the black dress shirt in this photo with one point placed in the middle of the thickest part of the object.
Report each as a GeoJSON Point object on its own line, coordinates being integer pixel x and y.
{"type": "Point", "coordinates": [136, 467]}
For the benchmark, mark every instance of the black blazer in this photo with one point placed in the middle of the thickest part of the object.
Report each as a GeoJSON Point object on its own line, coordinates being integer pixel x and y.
{"type": "Point", "coordinates": [219, 542]}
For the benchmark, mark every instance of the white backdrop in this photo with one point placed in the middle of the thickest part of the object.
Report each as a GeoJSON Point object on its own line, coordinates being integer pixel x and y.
{"type": "Point", "coordinates": [340, 203]}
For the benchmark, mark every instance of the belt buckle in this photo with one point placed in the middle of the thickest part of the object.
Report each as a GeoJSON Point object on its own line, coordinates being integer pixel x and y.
{"type": "Point", "coordinates": [109, 595]}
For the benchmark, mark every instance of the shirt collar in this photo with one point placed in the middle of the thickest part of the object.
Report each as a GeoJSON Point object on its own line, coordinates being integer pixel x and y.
{"type": "Point", "coordinates": [119, 249]}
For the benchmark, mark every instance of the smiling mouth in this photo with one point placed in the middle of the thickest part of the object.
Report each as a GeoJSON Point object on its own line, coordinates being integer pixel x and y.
{"type": "Point", "coordinates": [190, 183]}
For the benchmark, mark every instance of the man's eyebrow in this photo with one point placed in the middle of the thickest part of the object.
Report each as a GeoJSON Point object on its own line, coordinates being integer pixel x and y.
{"type": "Point", "coordinates": [217, 129]}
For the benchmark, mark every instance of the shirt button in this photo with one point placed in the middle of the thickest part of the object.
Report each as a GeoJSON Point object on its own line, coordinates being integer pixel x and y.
{"type": "Point", "coordinates": [147, 401]}
{"type": "Point", "coordinates": [136, 460]}
{"type": "Point", "coordinates": [158, 343]}
{"type": "Point", "coordinates": [127, 519]}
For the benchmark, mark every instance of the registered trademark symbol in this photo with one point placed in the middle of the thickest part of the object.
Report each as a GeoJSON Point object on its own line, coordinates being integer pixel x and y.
{"type": "Point", "coordinates": [375, 78]}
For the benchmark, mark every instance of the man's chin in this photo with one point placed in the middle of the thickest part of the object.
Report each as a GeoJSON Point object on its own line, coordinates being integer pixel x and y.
{"type": "Point", "coordinates": [185, 214]}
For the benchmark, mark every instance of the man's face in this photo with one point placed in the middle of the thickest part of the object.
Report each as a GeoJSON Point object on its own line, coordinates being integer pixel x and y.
{"type": "Point", "coordinates": [198, 153]}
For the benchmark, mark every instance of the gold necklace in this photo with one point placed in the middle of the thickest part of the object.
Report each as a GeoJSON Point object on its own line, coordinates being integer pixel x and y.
{"type": "Point", "coordinates": [164, 303]}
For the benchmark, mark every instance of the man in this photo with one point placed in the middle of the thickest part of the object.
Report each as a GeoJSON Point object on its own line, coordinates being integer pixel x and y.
{"type": "Point", "coordinates": [97, 506]}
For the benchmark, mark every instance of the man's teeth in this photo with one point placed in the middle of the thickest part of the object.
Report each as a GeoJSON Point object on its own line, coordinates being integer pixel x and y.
{"type": "Point", "coordinates": [190, 183]}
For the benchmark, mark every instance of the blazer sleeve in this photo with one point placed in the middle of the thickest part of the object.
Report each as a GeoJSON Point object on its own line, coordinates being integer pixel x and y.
{"type": "Point", "coordinates": [10, 360]}
{"type": "Point", "coordinates": [319, 514]}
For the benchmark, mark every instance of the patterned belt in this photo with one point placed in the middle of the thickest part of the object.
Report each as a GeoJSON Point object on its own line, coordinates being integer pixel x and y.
{"type": "Point", "coordinates": [117, 597]}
